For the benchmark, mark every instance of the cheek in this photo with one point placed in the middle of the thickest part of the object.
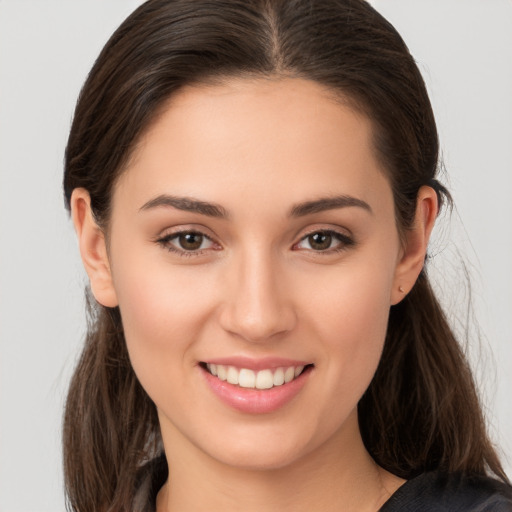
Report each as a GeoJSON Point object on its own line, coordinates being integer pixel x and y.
{"type": "Point", "coordinates": [349, 313]}
{"type": "Point", "coordinates": [163, 310]}
{"type": "Point", "coordinates": [354, 299]}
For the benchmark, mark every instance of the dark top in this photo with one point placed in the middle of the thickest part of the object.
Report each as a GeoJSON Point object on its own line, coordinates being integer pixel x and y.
{"type": "Point", "coordinates": [440, 492]}
{"type": "Point", "coordinates": [429, 492]}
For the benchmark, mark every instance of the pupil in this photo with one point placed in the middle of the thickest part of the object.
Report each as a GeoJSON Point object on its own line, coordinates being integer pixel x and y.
{"type": "Point", "coordinates": [320, 241]}
{"type": "Point", "coordinates": [191, 241]}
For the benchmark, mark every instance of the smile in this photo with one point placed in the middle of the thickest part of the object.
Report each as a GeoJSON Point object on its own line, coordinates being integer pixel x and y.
{"type": "Point", "coordinates": [265, 387]}
{"type": "Point", "coordinates": [262, 379]}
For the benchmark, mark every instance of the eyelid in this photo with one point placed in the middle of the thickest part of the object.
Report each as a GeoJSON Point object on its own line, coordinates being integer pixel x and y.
{"type": "Point", "coordinates": [186, 228]}
{"type": "Point", "coordinates": [309, 228]}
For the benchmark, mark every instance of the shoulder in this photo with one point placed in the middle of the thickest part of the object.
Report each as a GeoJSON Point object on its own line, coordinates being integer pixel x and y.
{"type": "Point", "coordinates": [441, 492]}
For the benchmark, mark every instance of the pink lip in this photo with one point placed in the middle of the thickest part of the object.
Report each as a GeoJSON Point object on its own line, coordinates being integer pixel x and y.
{"type": "Point", "coordinates": [257, 364]}
{"type": "Point", "coordinates": [256, 401]}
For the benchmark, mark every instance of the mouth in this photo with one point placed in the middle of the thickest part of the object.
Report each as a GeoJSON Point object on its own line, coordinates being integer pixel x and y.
{"type": "Point", "coordinates": [263, 379]}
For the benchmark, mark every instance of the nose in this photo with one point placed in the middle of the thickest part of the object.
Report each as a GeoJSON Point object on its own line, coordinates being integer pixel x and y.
{"type": "Point", "coordinates": [258, 303]}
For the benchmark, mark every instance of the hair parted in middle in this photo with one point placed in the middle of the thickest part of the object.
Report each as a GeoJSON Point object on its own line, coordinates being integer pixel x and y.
{"type": "Point", "coordinates": [421, 410]}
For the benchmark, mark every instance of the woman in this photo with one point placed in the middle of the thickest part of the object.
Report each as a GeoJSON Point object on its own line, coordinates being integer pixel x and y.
{"type": "Point", "coordinates": [253, 185]}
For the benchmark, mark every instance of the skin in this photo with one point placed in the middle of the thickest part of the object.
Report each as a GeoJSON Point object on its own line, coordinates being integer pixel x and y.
{"type": "Point", "coordinates": [257, 287]}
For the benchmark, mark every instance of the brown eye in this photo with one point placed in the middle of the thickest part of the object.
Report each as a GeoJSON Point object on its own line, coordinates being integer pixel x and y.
{"type": "Point", "coordinates": [320, 241]}
{"type": "Point", "coordinates": [187, 243]}
{"type": "Point", "coordinates": [325, 241]}
{"type": "Point", "coordinates": [190, 241]}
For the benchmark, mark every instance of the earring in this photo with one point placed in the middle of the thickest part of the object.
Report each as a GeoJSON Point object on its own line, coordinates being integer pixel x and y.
{"type": "Point", "coordinates": [401, 290]}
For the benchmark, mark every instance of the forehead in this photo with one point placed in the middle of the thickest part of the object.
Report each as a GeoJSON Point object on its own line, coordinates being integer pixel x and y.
{"type": "Point", "coordinates": [270, 139]}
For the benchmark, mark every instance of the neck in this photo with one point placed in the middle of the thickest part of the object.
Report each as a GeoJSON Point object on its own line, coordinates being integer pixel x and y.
{"type": "Point", "coordinates": [340, 475]}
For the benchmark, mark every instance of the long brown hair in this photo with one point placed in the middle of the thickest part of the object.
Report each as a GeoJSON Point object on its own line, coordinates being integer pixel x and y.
{"type": "Point", "coordinates": [421, 411]}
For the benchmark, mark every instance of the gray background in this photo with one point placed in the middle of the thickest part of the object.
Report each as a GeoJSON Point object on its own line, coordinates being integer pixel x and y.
{"type": "Point", "coordinates": [464, 49]}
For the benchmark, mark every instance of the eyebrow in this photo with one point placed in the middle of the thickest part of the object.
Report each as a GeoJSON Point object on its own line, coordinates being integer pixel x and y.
{"type": "Point", "coordinates": [328, 203]}
{"type": "Point", "coordinates": [215, 210]}
{"type": "Point", "coordinates": [186, 204]}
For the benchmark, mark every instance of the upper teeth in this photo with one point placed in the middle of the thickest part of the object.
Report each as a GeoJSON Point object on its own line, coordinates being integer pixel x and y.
{"type": "Point", "coordinates": [264, 379]}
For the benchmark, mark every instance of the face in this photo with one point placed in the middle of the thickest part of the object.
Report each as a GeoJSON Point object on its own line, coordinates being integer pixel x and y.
{"type": "Point", "coordinates": [253, 237]}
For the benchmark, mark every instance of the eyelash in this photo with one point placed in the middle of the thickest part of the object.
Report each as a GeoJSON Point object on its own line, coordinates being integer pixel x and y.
{"type": "Point", "coordinates": [344, 240]}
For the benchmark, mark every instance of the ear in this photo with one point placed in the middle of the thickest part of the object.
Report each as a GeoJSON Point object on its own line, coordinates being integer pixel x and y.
{"type": "Point", "coordinates": [93, 248]}
{"type": "Point", "coordinates": [412, 257]}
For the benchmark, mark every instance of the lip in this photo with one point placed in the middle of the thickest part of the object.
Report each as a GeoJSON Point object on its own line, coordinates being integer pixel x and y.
{"type": "Point", "coordinates": [255, 401]}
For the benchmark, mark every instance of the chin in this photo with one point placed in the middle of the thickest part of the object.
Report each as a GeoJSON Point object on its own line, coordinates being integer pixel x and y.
{"type": "Point", "coordinates": [263, 450]}
{"type": "Point", "coordinates": [259, 459]}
